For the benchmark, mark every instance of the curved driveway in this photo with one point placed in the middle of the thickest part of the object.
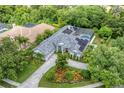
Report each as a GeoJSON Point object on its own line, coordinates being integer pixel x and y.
{"type": "Point", "coordinates": [34, 79]}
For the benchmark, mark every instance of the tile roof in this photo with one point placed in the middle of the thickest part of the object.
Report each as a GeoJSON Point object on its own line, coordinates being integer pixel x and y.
{"type": "Point", "coordinates": [30, 33]}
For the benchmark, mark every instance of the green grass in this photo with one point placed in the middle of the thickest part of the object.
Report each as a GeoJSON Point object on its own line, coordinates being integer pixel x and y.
{"type": "Point", "coordinates": [29, 69]}
{"type": "Point", "coordinates": [97, 40]}
{"type": "Point", "coordinates": [22, 76]}
{"type": "Point", "coordinates": [48, 84]}
{"type": "Point", "coordinates": [6, 85]}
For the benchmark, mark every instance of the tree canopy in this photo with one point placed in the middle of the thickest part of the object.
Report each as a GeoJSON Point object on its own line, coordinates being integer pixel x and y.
{"type": "Point", "coordinates": [107, 65]}
{"type": "Point", "coordinates": [119, 42]}
{"type": "Point", "coordinates": [105, 32]}
{"type": "Point", "coordinates": [82, 16]}
{"type": "Point", "coordinates": [11, 60]}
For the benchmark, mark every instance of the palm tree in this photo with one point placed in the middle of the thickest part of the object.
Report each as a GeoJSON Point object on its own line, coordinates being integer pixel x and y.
{"type": "Point", "coordinates": [22, 41]}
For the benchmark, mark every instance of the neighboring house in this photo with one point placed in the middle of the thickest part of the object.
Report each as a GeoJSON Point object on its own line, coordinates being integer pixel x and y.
{"type": "Point", "coordinates": [68, 39]}
{"type": "Point", "coordinates": [3, 27]}
{"type": "Point", "coordinates": [29, 30]}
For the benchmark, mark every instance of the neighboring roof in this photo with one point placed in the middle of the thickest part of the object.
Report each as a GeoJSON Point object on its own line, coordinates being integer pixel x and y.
{"type": "Point", "coordinates": [73, 39]}
{"type": "Point", "coordinates": [30, 33]}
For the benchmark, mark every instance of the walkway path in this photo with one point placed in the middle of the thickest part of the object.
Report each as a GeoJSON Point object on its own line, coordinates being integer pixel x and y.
{"type": "Point", "coordinates": [80, 65]}
{"type": "Point", "coordinates": [93, 85]}
{"type": "Point", "coordinates": [77, 64]}
{"type": "Point", "coordinates": [11, 82]}
{"type": "Point", "coordinates": [34, 79]}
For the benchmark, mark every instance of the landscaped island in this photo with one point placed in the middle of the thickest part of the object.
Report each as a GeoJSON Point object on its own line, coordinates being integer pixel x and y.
{"type": "Point", "coordinates": [47, 82]}
{"type": "Point", "coordinates": [65, 76]}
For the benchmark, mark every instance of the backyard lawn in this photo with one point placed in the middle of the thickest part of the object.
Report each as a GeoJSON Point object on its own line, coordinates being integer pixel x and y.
{"type": "Point", "coordinates": [49, 84]}
{"type": "Point", "coordinates": [32, 67]}
{"type": "Point", "coordinates": [97, 40]}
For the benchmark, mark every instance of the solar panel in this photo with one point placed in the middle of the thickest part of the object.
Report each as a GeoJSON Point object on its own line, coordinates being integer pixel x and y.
{"type": "Point", "coordinates": [77, 39]}
{"type": "Point", "coordinates": [67, 31]}
{"type": "Point", "coordinates": [82, 43]}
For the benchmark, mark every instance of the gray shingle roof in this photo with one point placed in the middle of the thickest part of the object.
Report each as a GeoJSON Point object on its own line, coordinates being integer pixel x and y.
{"type": "Point", "coordinates": [68, 39]}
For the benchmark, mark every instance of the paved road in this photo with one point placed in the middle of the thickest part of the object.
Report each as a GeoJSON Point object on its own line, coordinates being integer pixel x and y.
{"type": "Point", "coordinates": [11, 82]}
{"type": "Point", "coordinates": [77, 64]}
{"type": "Point", "coordinates": [93, 85]}
{"type": "Point", "coordinates": [34, 79]}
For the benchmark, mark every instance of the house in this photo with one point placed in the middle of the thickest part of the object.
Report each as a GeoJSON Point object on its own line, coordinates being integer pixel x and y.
{"type": "Point", "coordinates": [68, 39]}
{"type": "Point", "coordinates": [4, 27]}
{"type": "Point", "coordinates": [29, 31]}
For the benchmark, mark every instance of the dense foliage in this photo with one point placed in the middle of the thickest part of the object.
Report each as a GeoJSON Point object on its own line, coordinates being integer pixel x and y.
{"type": "Point", "coordinates": [44, 35]}
{"type": "Point", "coordinates": [13, 60]}
{"type": "Point", "coordinates": [61, 62]}
{"type": "Point", "coordinates": [107, 65]}
{"type": "Point", "coordinates": [105, 32]}
{"type": "Point", "coordinates": [82, 16]}
{"type": "Point", "coordinates": [119, 42]}
{"type": "Point", "coordinates": [86, 74]}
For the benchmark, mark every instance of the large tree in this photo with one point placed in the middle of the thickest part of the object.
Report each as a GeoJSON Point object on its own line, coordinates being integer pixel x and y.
{"type": "Point", "coordinates": [107, 65]}
{"type": "Point", "coordinates": [61, 62]}
{"type": "Point", "coordinates": [5, 13]}
{"type": "Point", "coordinates": [105, 32]}
{"type": "Point", "coordinates": [84, 16]}
{"type": "Point", "coordinates": [119, 42]}
{"type": "Point", "coordinates": [21, 15]}
{"type": "Point", "coordinates": [22, 41]}
{"type": "Point", "coordinates": [12, 61]}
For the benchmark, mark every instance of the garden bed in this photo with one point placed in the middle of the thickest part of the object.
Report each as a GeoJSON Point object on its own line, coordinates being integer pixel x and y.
{"type": "Point", "coordinates": [51, 84]}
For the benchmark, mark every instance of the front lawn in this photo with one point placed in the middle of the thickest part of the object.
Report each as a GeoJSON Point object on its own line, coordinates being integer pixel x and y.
{"type": "Point", "coordinates": [28, 71]}
{"type": "Point", "coordinates": [46, 83]}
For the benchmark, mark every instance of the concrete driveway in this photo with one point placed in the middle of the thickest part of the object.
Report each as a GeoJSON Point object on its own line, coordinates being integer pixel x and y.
{"type": "Point", "coordinates": [34, 79]}
{"type": "Point", "coordinates": [77, 64]}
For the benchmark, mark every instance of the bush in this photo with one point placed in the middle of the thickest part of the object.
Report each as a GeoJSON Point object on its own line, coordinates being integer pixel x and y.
{"type": "Point", "coordinates": [43, 36]}
{"type": "Point", "coordinates": [105, 32]}
{"type": "Point", "coordinates": [69, 75]}
{"type": "Point", "coordinates": [86, 74]}
{"type": "Point", "coordinates": [61, 61]}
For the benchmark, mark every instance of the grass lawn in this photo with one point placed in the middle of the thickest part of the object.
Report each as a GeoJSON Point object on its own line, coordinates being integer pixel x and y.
{"type": "Point", "coordinates": [32, 67]}
{"type": "Point", "coordinates": [6, 85]}
{"type": "Point", "coordinates": [48, 84]}
{"type": "Point", "coordinates": [97, 40]}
